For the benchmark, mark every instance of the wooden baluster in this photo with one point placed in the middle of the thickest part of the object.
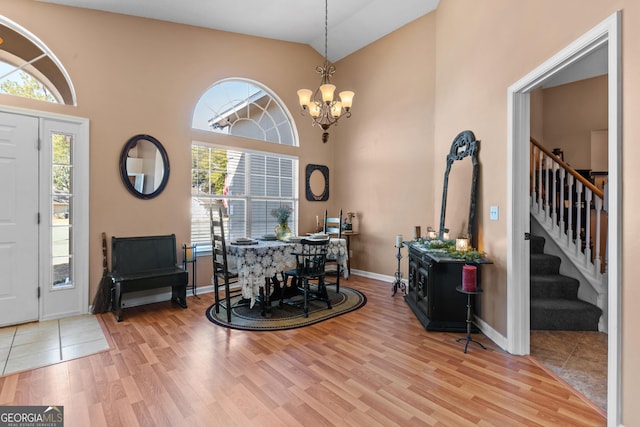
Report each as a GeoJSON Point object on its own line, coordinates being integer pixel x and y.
{"type": "Point", "coordinates": [547, 191]}
{"type": "Point", "coordinates": [598, 260]}
{"type": "Point", "coordinates": [563, 182]}
{"type": "Point", "coordinates": [532, 169]}
{"type": "Point", "coordinates": [579, 208]}
{"type": "Point", "coordinates": [570, 212]}
{"type": "Point", "coordinates": [588, 194]}
{"type": "Point", "coordinates": [554, 207]}
{"type": "Point", "coordinates": [539, 198]}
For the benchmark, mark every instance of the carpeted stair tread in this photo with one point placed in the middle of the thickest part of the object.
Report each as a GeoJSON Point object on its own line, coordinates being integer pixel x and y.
{"type": "Point", "coordinates": [564, 314]}
{"type": "Point", "coordinates": [544, 264]}
{"type": "Point", "coordinates": [553, 286]}
{"type": "Point", "coordinates": [554, 297]}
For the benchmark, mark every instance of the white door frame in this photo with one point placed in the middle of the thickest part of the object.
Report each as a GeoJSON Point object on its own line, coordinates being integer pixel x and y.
{"type": "Point", "coordinates": [518, 322]}
{"type": "Point", "coordinates": [53, 304]}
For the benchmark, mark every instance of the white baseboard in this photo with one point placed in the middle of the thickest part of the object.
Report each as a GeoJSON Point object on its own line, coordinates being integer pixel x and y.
{"type": "Point", "coordinates": [487, 330]}
{"type": "Point", "coordinates": [492, 334]}
{"type": "Point", "coordinates": [376, 276]}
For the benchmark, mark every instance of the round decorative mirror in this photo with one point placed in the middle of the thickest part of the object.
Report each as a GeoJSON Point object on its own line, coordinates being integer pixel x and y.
{"type": "Point", "coordinates": [144, 166]}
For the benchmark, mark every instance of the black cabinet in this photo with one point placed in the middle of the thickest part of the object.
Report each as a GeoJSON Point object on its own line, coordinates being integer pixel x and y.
{"type": "Point", "coordinates": [432, 294]}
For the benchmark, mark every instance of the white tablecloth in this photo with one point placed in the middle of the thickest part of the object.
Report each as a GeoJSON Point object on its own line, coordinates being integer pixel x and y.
{"type": "Point", "coordinates": [264, 260]}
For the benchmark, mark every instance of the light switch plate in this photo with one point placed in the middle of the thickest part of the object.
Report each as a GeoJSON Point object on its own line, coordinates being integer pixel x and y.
{"type": "Point", "coordinates": [493, 213]}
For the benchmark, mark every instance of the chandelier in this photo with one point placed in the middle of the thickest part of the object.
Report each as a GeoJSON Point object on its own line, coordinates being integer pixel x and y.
{"type": "Point", "coordinates": [323, 108]}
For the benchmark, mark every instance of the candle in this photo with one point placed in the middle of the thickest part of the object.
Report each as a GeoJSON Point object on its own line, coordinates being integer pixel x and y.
{"type": "Point", "coordinates": [399, 241]}
{"type": "Point", "coordinates": [462, 244]}
{"type": "Point", "coordinates": [469, 273]}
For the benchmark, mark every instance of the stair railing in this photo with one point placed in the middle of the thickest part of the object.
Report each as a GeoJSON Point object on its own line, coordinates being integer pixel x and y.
{"type": "Point", "coordinates": [568, 205]}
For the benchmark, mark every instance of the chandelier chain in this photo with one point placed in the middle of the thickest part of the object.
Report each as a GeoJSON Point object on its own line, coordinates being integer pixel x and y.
{"type": "Point", "coordinates": [326, 29]}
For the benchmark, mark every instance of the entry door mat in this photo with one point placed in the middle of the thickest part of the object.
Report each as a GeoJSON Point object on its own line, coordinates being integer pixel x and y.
{"type": "Point", "coordinates": [287, 316]}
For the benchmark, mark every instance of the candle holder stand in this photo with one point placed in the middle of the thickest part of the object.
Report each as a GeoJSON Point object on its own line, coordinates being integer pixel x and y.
{"type": "Point", "coordinates": [398, 283]}
{"type": "Point", "coordinates": [189, 257]}
{"type": "Point", "coordinates": [469, 320]}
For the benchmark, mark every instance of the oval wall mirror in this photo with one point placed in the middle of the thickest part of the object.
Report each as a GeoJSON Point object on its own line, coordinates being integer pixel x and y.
{"type": "Point", "coordinates": [144, 166]}
{"type": "Point", "coordinates": [317, 180]}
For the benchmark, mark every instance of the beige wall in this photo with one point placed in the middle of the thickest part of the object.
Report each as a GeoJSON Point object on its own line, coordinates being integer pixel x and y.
{"type": "Point", "coordinates": [481, 51]}
{"type": "Point", "coordinates": [571, 112]}
{"type": "Point", "coordinates": [415, 90]}
{"type": "Point", "coordinates": [136, 76]}
{"type": "Point", "coordinates": [484, 47]}
{"type": "Point", "coordinates": [383, 155]}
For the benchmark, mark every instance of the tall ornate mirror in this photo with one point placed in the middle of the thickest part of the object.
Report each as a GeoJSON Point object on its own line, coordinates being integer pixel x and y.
{"type": "Point", "coordinates": [144, 166]}
{"type": "Point", "coordinates": [459, 188]}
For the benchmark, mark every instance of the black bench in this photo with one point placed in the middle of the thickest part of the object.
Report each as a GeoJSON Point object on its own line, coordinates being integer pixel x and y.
{"type": "Point", "coordinates": [141, 263]}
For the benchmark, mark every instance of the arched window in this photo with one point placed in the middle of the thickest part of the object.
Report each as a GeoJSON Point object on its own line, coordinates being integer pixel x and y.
{"type": "Point", "coordinates": [247, 184]}
{"type": "Point", "coordinates": [28, 68]}
{"type": "Point", "coordinates": [244, 108]}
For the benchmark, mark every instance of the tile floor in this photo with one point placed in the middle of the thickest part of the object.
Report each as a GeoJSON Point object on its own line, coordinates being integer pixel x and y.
{"type": "Point", "coordinates": [579, 358]}
{"type": "Point", "coordinates": [37, 344]}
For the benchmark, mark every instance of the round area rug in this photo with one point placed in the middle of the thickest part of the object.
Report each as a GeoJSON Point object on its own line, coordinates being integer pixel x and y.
{"type": "Point", "coordinates": [287, 316]}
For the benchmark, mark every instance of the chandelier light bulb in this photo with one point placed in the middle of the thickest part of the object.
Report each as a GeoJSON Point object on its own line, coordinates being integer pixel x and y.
{"type": "Point", "coordinates": [346, 97]}
{"type": "Point", "coordinates": [336, 109]}
{"type": "Point", "coordinates": [327, 92]}
{"type": "Point", "coordinates": [304, 97]}
{"type": "Point", "coordinates": [314, 109]}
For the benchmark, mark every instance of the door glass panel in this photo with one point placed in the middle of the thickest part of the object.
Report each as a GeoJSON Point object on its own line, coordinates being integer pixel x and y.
{"type": "Point", "coordinates": [61, 272]}
{"type": "Point", "coordinates": [61, 211]}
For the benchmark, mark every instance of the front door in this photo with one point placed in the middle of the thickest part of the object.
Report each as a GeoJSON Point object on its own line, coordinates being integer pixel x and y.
{"type": "Point", "coordinates": [18, 218]}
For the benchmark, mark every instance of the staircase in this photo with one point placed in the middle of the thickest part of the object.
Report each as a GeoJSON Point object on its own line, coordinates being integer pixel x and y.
{"type": "Point", "coordinates": [554, 297]}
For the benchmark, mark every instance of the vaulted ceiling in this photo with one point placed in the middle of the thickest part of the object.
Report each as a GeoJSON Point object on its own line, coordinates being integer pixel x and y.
{"type": "Point", "coordinates": [352, 24]}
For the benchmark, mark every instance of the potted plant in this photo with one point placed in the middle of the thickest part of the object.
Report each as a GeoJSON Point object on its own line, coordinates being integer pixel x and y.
{"type": "Point", "coordinates": [282, 230]}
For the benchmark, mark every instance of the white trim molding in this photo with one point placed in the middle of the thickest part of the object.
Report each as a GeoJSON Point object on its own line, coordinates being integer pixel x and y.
{"type": "Point", "coordinates": [607, 33]}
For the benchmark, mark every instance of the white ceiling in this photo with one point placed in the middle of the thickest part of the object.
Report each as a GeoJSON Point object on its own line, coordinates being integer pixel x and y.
{"type": "Point", "coordinates": [593, 65]}
{"type": "Point", "coordinates": [352, 24]}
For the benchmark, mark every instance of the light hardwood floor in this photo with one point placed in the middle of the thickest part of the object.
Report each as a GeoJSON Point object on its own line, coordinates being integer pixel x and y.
{"type": "Point", "coordinates": [376, 366]}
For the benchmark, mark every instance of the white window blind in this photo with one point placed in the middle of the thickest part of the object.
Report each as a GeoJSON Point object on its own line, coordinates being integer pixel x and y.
{"type": "Point", "coordinates": [247, 185]}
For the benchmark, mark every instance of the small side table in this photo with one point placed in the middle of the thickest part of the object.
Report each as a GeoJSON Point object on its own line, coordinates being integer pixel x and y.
{"type": "Point", "coordinates": [468, 337]}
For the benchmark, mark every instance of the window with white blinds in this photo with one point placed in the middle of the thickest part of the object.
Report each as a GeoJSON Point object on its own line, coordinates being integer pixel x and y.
{"type": "Point", "coordinates": [247, 185]}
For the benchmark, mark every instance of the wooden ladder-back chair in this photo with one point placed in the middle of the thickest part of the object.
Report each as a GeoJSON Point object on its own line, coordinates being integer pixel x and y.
{"type": "Point", "coordinates": [223, 276]}
{"type": "Point", "coordinates": [333, 227]}
{"type": "Point", "coordinates": [310, 262]}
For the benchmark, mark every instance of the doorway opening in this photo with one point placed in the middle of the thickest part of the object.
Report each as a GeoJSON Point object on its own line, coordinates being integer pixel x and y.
{"type": "Point", "coordinates": [606, 34]}
{"type": "Point", "coordinates": [44, 224]}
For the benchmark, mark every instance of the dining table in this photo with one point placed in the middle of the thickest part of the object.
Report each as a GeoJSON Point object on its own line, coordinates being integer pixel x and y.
{"type": "Point", "coordinates": [260, 261]}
